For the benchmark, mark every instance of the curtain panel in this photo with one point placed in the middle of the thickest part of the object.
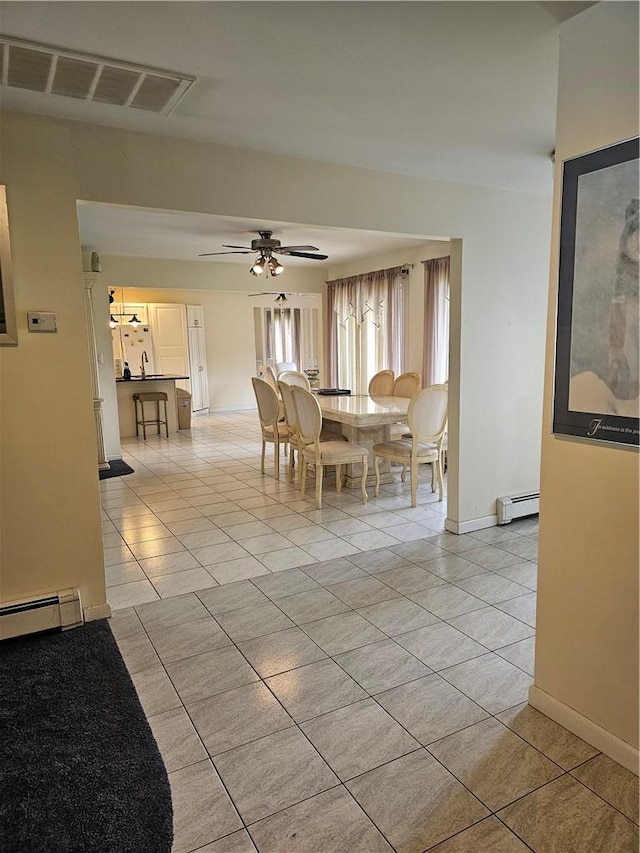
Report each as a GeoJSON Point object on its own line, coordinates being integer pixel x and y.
{"type": "Point", "coordinates": [435, 368]}
{"type": "Point", "coordinates": [365, 327]}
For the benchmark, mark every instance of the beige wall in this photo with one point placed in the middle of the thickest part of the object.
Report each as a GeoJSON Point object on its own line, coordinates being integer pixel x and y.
{"type": "Point", "coordinates": [499, 286]}
{"type": "Point", "coordinates": [587, 648]}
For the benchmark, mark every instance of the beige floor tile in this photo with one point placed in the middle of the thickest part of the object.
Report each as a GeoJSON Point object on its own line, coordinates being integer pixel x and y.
{"type": "Point", "coordinates": [177, 739]}
{"type": "Point", "coordinates": [447, 601]}
{"type": "Point", "coordinates": [362, 591]}
{"type": "Point", "coordinates": [312, 605]}
{"type": "Point", "coordinates": [202, 810]}
{"type": "Point", "coordinates": [125, 623]}
{"type": "Point", "coordinates": [415, 802]}
{"type": "Point", "coordinates": [488, 836]}
{"type": "Point", "coordinates": [179, 583]}
{"type": "Point", "coordinates": [167, 564]}
{"type": "Point", "coordinates": [494, 763]}
{"type": "Point", "coordinates": [493, 683]}
{"type": "Point", "coordinates": [430, 708]}
{"type": "Point", "coordinates": [381, 666]}
{"type": "Point", "coordinates": [274, 772]}
{"type": "Point", "coordinates": [155, 690]}
{"type": "Point", "coordinates": [237, 716]}
{"type": "Point", "coordinates": [286, 558]}
{"type": "Point", "coordinates": [212, 672]}
{"type": "Point", "coordinates": [614, 783]}
{"type": "Point", "coordinates": [314, 689]}
{"type": "Point", "coordinates": [237, 842]}
{"type": "Point", "coordinates": [522, 654]}
{"type": "Point", "coordinates": [565, 817]}
{"type": "Point", "coordinates": [280, 652]}
{"type": "Point", "coordinates": [343, 632]}
{"type": "Point", "coordinates": [358, 738]}
{"type": "Point", "coordinates": [491, 627]}
{"type": "Point", "coordinates": [440, 645]}
{"type": "Point", "coordinates": [491, 587]}
{"type": "Point", "coordinates": [397, 616]}
{"type": "Point", "coordinates": [523, 608]}
{"type": "Point", "coordinates": [185, 640]}
{"type": "Point", "coordinates": [409, 579]}
{"type": "Point", "coordinates": [554, 741]}
{"type": "Point", "coordinates": [232, 596]}
{"type": "Point", "coordinates": [331, 821]}
{"type": "Point", "coordinates": [242, 568]}
{"type": "Point", "coordinates": [286, 583]}
{"type": "Point", "coordinates": [253, 621]}
{"type": "Point", "coordinates": [330, 549]}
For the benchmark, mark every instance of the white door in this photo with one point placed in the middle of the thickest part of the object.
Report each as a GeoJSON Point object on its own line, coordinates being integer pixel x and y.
{"type": "Point", "coordinates": [198, 369]}
{"type": "Point", "coordinates": [171, 347]}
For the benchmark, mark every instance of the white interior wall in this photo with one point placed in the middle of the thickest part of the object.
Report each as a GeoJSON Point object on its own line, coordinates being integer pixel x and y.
{"type": "Point", "coordinates": [48, 164]}
{"type": "Point", "coordinates": [586, 674]}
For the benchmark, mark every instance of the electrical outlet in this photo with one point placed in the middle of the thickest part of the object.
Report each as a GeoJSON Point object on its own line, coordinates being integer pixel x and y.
{"type": "Point", "coordinates": [42, 321]}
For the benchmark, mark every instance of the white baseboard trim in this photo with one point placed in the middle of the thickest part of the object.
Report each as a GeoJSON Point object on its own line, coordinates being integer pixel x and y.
{"type": "Point", "coordinates": [114, 457]}
{"type": "Point", "coordinates": [98, 611]}
{"type": "Point", "coordinates": [584, 728]}
{"type": "Point", "coordinates": [470, 525]}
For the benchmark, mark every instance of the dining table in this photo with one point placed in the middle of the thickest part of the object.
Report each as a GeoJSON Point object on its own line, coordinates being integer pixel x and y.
{"type": "Point", "coordinates": [365, 420]}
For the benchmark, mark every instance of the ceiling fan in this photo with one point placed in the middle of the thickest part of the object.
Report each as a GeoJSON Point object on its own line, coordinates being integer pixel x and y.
{"type": "Point", "coordinates": [280, 298]}
{"type": "Point", "coordinates": [266, 246]}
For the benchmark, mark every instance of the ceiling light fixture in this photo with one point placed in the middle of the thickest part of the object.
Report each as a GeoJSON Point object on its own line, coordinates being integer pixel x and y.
{"type": "Point", "coordinates": [134, 321]}
{"type": "Point", "coordinates": [267, 263]}
{"type": "Point", "coordinates": [275, 267]}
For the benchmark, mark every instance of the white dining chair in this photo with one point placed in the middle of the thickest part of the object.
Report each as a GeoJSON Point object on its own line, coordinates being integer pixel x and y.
{"type": "Point", "coordinates": [322, 453]}
{"type": "Point", "coordinates": [381, 384]}
{"type": "Point", "coordinates": [406, 385]}
{"type": "Point", "coordinates": [274, 431]}
{"type": "Point", "coordinates": [427, 418]}
{"type": "Point", "coordinates": [294, 377]}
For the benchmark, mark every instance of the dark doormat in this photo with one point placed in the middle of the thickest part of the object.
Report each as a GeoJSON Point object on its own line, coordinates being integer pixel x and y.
{"type": "Point", "coordinates": [117, 468]}
{"type": "Point", "coordinates": [80, 771]}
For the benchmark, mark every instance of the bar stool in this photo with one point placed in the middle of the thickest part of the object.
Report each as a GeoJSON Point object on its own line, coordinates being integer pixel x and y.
{"type": "Point", "coordinates": [156, 397]}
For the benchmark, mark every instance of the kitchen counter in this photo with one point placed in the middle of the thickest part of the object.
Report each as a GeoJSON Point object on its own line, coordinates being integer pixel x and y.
{"type": "Point", "coordinates": [126, 388]}
{"type": "Point", "coordinates": [152, 377]}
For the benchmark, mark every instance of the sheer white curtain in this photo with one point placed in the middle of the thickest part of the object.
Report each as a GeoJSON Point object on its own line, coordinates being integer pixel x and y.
{"type": "Point", "coordinates": [435, 367]}
{"type": "Point", "coordinates": [365, 327]}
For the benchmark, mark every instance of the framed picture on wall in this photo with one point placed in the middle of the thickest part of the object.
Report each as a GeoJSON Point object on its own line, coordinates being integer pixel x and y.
{"type": "Point", "coordinates": [597, 343]}
{"type": "Point", "coordinates": [8, 328]}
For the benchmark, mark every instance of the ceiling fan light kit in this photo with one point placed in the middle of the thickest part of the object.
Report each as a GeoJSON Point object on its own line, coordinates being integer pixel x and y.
{"type": "Point", "coordinates": [265, 246]}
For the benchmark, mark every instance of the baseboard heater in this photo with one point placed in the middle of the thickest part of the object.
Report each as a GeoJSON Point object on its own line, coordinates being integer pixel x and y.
{"type": "Point", "coordinates": [517, 506]}
{"type": "Point", "coordinates": [62, 609]}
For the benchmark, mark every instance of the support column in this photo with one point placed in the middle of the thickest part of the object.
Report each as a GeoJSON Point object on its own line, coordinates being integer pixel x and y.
{"type": "Point", "coordinates": [89, 279]}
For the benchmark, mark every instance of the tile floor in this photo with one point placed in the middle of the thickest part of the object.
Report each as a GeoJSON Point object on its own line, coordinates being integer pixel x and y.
{"type": "Point", "coordinates": [350, 679]}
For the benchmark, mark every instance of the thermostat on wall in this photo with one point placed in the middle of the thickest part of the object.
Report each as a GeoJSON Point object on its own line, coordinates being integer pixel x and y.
{"type": "Point", "coordinates": [42, 321]}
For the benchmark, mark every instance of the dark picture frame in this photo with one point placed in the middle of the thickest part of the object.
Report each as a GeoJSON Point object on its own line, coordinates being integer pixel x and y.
{"type": "Point", "coordinates": [596, 364]}
{"type": "Point", "coordinates": [8, 326]}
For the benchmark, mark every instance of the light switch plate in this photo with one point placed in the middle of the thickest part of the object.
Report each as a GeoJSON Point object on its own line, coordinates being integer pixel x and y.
{"type": "Point", "coordinates": [42, 321]}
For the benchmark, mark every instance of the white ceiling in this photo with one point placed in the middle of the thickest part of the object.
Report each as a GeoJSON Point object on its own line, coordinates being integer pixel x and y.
{"type": "Point", "coordinates": [120, 230]}
{"type": "Point", "coordinates": [457, 91]}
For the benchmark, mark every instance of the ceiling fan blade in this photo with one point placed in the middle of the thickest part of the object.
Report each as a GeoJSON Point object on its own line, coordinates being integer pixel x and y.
{"type": "Point", "coordinates": [227, 246]}
{"type": "Point", "coordinates": [305, 255]}
{"type": "Point", "coordinates": [298, 248]}
{"type": "Point", "coordinates": [208, 254]}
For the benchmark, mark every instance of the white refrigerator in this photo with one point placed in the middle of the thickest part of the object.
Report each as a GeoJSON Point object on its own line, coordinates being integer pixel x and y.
{"type": "Point", "coordinates": [133, 342]}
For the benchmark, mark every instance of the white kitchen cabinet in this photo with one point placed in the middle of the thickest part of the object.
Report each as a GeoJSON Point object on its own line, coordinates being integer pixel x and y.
{"type": "Point", "coordinates": [197, 359]}
{"type": "Point", "coordinates": [195, 316]}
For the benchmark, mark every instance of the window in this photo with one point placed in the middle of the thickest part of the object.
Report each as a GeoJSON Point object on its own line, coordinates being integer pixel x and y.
{"type": "Point", "coordinates": [365, 327]}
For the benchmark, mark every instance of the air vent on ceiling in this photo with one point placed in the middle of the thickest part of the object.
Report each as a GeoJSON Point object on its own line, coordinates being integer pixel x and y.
{"type": "Point", "coordinates": [54, 71]}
